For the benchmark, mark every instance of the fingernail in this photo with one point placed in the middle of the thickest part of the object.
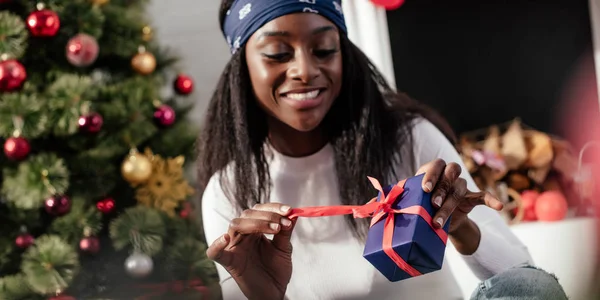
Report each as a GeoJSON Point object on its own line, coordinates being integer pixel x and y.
{"type": "Point", "coordinates": [440, 221]}
{"type": "Point", "coordinates": [285, 208]}
{"type": "Point", "coordinates": [428, 186]}
{"type": "Point", "coordinates": [274, 226]}
{"type": "Point", "coordinates": [286, 222]}
{"type": "Point", "coordinates": [438, 201]}
{"type": "Point", "coordinates": [223, 239]}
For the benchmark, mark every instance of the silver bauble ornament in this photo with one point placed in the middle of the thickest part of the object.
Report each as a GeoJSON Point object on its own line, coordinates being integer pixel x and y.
{"type": "Point", "coordinates": [139, 265]}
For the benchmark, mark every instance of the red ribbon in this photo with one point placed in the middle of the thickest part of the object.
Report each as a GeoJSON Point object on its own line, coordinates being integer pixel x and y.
{"type": "Point", "coordinates": [377, 210]}
{"type": "Point", "coordinates": [173, 286]}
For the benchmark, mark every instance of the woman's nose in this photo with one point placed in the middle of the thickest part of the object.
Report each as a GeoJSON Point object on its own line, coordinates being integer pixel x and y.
{"type": "Point", "coordinates": [304, 68]}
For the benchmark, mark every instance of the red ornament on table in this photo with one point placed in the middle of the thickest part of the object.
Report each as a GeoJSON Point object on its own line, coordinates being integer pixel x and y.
{"type": "Point", "coordinates": [90, 245]}
{"type": "Point", "coordinates": [57, 205]}
{"type": "Point", "coordinates": [106, 206]}
{"type": "Point", "coordinates": [16, 148]}
{"type": "Point", "coordinates": [82, 50]}
{"type": "Point", "coordinates": [43, 23]}
{"type": "Point", "coordinates": [24, 240]}
{"type": "Point", "coordinates": [12, 75]}
{"type": "Point", "coordinates": [551, 206]}
{"type": "Point", "coordinates": [91, 123]}
{"type": "Point", "coordinates": [164, 115]}
{"type": "Point", "coordinates": [388, 4]}
{"type": "Point", "coordinates": [528, 199]}
{"type": "Point", "coordinates": [183, 85]}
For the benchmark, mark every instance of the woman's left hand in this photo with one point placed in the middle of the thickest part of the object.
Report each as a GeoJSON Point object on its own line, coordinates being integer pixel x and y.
{"type": "Point", "coordinates": [450, 194]}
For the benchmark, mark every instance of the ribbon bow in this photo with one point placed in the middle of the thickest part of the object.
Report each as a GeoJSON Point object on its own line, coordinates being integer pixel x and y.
{"type": "Point", "coordinates": [377, 210]}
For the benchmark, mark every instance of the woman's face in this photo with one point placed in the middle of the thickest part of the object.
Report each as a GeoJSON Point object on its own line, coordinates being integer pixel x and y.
{"type": "Point", "coordinates": [295, 66]}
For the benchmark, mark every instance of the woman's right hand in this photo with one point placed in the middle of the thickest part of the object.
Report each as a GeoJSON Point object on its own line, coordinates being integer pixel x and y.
{"type": "Point", "coordinates": [261, 267]}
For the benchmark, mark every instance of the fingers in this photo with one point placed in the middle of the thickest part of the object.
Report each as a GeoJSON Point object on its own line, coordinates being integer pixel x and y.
{"type": "Point", "coordinates": [452, 200]}
{"type": "Point", "coordinates": [446, 184]}
{"type": "Point", "coordinates": [433, 170]}
{"type": "Point", "coordinates": [216, 251]}
{"type": "Point", "coordinates": [252, 221]}
{"type": "Point", "coordinates": [282, 240]}
{"type": "Point", "coordinates": [484, 198]}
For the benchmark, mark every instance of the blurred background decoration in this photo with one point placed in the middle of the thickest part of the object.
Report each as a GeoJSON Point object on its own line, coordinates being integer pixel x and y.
{"type": "Point", "coordinates": [95, 201]}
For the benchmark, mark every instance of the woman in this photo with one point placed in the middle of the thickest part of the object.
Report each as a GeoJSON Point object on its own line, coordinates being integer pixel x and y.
{"type": "Point", "coordinates": [300, 118]}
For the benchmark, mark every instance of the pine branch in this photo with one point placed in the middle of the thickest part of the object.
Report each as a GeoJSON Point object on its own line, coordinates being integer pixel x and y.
{"type": "Point", "coordinates": [50, 265]}
{"type": "Point", "coordinates": [186, 259]}
{"type": "Point", "coordinates": [69, 98]}
{"type": "Point", "coordinates": [7, 248]}
{"type": "Point", "coordinates": [15, 287]}
{"type": "Point", "coordinates": [139, 228]}
{"type": "Point", "coordinates": [26, 107]}
{"type": "Point", "coordinates": [13, 35]}
{"type": "Point", "coordinates": [71, 226]}
{"type": "Point", "coordinates": [93, 178]}
{"type": "Point", "coordinates": [122, 34]}
{"type": "Point", "coordinates": [35, 180]}
{"type": "Point", "coordinates": [83, 17]}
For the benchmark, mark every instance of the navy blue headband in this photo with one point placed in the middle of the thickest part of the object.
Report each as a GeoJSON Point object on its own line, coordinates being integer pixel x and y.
{"type": "Point", "coordinates": [246, 16]}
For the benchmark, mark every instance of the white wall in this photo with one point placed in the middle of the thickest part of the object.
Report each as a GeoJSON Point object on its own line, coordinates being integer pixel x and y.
{"type": "Point", "coordinates": [191, 29]}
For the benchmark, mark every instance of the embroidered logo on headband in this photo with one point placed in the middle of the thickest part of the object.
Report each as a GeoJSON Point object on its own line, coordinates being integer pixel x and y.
{"type": "Point", "coordinates": [247, 16]}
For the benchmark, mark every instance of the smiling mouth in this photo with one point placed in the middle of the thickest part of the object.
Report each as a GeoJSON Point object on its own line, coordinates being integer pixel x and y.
{"type": "Point", "coordinates": [309, 95]}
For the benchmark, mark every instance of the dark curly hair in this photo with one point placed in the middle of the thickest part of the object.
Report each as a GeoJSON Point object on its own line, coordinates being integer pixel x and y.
{"type": "Point", "coordinates": [366, 130]}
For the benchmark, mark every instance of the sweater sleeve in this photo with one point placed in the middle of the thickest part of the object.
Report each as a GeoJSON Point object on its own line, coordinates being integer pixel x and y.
{"type": "Point", "coordinates": [217, 213]}
{"type": "Point", "coordinates": [499, 249]}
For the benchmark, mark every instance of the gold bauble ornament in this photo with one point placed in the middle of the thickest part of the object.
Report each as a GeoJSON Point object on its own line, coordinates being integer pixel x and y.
{"type": "Point", "coordinates": [147, 33]}
{"type": "Point", "coordinates": [136, 168]}
{"type": "Point", "coordinates": [143, 62]}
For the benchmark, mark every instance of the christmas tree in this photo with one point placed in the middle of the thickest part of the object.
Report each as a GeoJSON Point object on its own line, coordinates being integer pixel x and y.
{"type": "Point", "coordinates": [94, 200]}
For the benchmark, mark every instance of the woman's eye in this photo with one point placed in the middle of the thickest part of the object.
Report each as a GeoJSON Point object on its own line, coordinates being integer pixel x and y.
{"type": "Point", "coordinates": [277, 56]}
{"type": "Point", "coordinates": [324, 53]}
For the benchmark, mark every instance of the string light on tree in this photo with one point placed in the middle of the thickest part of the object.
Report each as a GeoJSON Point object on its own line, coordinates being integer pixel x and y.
{"type": "Point", "coordinates": [12, 74]}
{"type": "Point", "coordinates": [43, 22]}
{"type": "Point", "coordinates": [183, 84]}
{"type": "Point", "coordinates": [82, 50]}
{"type": "Point", "coordinates": [136, 168]}
{"type": "Point", "coordinates": [143, 62]}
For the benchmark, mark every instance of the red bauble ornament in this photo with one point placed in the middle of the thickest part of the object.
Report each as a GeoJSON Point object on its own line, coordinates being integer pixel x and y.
{"type": "Point", "coordinates": [528, 199]}
{"type": "Point", "coordinates": [43, 23]}
{"type": "Point", "coordinates": [388, 4]}
{"type": "Point", "coordinates": [90, 244]}
{"type": "Point", "coordinates": [12, 75]}
{"type": "Point", "coordinates": [551, 206]}
{"type": "Point", "coordinates": [106, 206]}
{"type": "Point", "coordinates": [57, 205]}
{"type": "Point", "coordinates": [82, 50]}
{"type": "Point", "coordinates": [24, 240]}
{"type": "Point", "coordinates": [16, 148]}
{"type": "Point", "coordinates": [164, 115]}
{"type": "Point", "coordinates": [91, 123]}
{"type": "Point", "coordinates": [183, 85]}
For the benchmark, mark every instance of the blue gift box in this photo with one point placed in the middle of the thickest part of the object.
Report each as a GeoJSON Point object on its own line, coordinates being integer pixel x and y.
{"type": "Point", "coordinates": [413, 239]}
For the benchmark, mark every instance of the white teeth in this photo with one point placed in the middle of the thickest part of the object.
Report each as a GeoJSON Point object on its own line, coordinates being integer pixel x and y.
{"type": "Point", "coordinates": [303, 96]}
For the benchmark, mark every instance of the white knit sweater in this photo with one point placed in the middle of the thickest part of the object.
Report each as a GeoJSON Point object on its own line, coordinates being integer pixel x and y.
{"type": "Point", "coordinates": [327, 260]}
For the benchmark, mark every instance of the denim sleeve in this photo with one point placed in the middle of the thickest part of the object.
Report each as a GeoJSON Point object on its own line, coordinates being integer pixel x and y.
{"type": "Point", "coordinates": [499, 249]}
